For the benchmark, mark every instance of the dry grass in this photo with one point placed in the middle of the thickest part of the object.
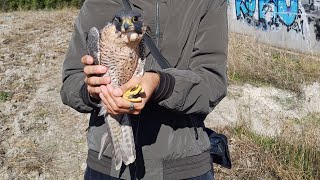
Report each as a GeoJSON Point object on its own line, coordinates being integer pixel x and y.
{"type": "Point", "coordinates": [288, 156]}
{"type": "Point", "coordinates": [261, 64]}
{"type": "Point", "coordinates": [33, 159]}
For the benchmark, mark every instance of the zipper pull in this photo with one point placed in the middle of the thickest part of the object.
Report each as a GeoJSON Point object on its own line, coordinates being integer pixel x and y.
{"type": "Point", "coordinates": [196, 133]}
{"type": "Point", "coordinates": [194, 128]}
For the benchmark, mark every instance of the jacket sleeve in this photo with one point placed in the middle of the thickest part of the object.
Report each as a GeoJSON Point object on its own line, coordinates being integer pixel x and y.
{"type": "Point", "coordinates": [74, 91]}
{"type": "Point", "coordinates": [73, 76]}
{"type": "Point", "coordinates": [200, 88]}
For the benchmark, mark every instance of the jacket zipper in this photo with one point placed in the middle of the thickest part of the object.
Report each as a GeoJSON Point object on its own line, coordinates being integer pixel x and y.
{"type": "Point", "coordinates": [157, 34]}
{"type": "Point", "coordinates": [136, 146]}
{"type": "Point", "coordinates": [157, 23]}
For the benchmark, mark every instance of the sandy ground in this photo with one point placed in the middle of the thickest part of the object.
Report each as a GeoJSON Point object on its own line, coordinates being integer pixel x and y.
{"type": "Point", "coordinates": [40, 138]}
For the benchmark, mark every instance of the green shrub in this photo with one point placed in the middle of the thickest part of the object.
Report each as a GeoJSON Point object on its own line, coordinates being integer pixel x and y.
{"type": "Point", "coordinates": [13, 5]}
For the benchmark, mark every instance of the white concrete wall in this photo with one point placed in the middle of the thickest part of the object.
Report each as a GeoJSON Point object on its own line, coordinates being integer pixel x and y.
{"type": "Point", "coordinates": [292, 24]}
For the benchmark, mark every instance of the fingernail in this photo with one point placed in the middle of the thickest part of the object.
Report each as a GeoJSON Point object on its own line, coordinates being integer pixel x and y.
{"type": "Point", "coordinates": [89, 60]}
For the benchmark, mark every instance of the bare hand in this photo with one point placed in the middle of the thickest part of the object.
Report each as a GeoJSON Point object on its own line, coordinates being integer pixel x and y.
{"type": "Point", "coordinates": [115, 104]}
{"type": "Point", "coordinates": [92, 80]}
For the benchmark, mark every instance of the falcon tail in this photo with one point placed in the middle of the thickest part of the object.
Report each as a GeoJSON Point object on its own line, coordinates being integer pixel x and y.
{"type": "Point", "coordinates": [127, 144]}
{"type": "Point", "coordinates": [116, 137]}
{"type": "Point", "coordinates": [122, 139]}
{"type": "Point", "coordinates": [105, 143]}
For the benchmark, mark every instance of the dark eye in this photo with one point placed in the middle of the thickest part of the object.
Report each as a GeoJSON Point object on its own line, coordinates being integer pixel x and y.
{"type": "Point", "coordinates": [117, 19]}
{"type": "Point", "coordinates": [135, 19]}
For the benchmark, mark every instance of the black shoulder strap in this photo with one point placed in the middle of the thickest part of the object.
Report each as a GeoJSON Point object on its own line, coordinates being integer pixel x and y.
{"type": "Point", "coordinates": [164, 64]}
{"type": "Point", "coordinates": [126, 4]}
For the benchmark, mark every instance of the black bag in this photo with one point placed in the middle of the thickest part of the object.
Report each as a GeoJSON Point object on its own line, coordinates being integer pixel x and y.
{"type": "Point", "coordinates": [219, 150]}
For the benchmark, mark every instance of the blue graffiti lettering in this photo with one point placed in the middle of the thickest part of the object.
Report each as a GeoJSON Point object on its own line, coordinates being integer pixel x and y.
{"type": "Point", "coordinates": [267, 8]}
{"type": "Point", "coordinates": [245, 7]}
{"type": "Point", "coordinates": [272, 14]}
{"type": "Point", "coordinates": [288, 13]}
{"type": "Point", "coordinates": [251, 5]}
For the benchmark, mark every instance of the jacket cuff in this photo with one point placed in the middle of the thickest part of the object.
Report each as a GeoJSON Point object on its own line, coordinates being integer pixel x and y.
{"type": "Point", "coordinates": [165, 87]}
{"type": "Point", "coordinates": [87, 99]}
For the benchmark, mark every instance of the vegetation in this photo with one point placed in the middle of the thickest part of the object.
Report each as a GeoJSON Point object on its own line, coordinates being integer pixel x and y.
{"type": "Point", "coordinates": [12, 5]}
{"type": "Point", "coordinates": [261, 64]}
{"type": "Point", "coordinates": [4, 96]}
{"type": "Point", "coordinates": [299, 159]}
{"type": "Point", "coordinates": [290, 155]}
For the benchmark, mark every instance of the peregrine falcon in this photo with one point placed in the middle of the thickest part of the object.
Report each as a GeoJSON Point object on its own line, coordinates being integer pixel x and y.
{"type": "Point", "coordinates": [119, 46]}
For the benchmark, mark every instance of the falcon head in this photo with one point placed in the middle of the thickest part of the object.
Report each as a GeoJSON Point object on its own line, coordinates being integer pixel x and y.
{"type": "Point", "coordinates": [127, 21]}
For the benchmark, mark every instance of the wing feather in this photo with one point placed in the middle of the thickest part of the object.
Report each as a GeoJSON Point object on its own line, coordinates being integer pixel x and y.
{"type": "Point", "coordinates": [93, 45]}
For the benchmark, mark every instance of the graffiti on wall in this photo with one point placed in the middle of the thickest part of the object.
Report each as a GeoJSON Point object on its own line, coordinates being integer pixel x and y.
{"type": "Point", "coordinates": [273, 15]}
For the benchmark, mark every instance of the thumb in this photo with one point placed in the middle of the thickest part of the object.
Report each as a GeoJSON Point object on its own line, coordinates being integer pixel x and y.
{"type": "Point", "coordinates": [125, 87]}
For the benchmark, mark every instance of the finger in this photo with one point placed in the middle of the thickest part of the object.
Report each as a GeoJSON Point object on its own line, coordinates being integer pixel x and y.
{"type": "Point", "coordinates": [120, 102]}
{"type": "Point", "coordinates": [137, 108]}
{"type": "Point", "coordinates": [109, 99]}
{"type": "Point", "coordinates": [106, 100]}
{"type": "Point", "coordinates": [106, 105]}
{"type": "Point", "coordinates": [124, 105]}
{"type": "Point", "coordinates": [97, 81]}
{"type": "Point", "coordinates": [125, 109]}
{"type": "Point", "coordinates": [94, 90]}
{"type": "Point", "coordinates": [118, 105]}
{"type": "Point", "coordinates": [94, 69]}
{"type": "Point", "coordinates": [87, 60]}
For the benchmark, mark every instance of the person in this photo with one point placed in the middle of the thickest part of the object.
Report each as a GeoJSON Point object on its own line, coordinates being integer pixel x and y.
{"type": "Point", "coordinates": [168, 124]}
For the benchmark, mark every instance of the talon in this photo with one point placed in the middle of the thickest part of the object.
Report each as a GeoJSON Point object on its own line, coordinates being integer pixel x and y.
{"type": "Point", "coordinates": [131, 94]}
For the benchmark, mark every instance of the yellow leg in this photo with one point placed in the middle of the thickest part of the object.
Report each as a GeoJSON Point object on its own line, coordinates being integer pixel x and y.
{"type": "Point", "coordinates": [131, 94]}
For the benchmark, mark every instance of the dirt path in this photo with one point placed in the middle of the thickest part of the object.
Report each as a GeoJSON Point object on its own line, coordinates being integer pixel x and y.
{"type": "Point", "coordinates": [40, 137]}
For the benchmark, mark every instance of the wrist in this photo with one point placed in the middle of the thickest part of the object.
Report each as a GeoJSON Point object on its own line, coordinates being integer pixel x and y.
{"type": "Point", "coordinates": [153, 78]}
{"type": "Point", "coordinates": [151, 81]}
{"type": "Point", "coordinates": [164, 87]}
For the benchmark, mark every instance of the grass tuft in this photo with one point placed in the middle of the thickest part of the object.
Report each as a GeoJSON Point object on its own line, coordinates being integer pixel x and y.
{"type": "Point", "coordinates": [5, 96]}
{"type": "Point", "coordinates": [298, 157]}
{"type": "Point", "coordinates": [293, 154]}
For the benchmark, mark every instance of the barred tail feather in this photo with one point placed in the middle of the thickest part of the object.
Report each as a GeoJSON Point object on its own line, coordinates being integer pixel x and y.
{"type": "Point", "coordinates": [127, 144]}
{"type": "Point", "coordinates": [116, 136]}
{"type": "Point", "coordinates": [105, 143]}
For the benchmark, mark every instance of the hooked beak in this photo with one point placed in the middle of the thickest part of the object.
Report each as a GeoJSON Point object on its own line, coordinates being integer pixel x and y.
{"type": "Point", "coordinates": [126, 25]}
